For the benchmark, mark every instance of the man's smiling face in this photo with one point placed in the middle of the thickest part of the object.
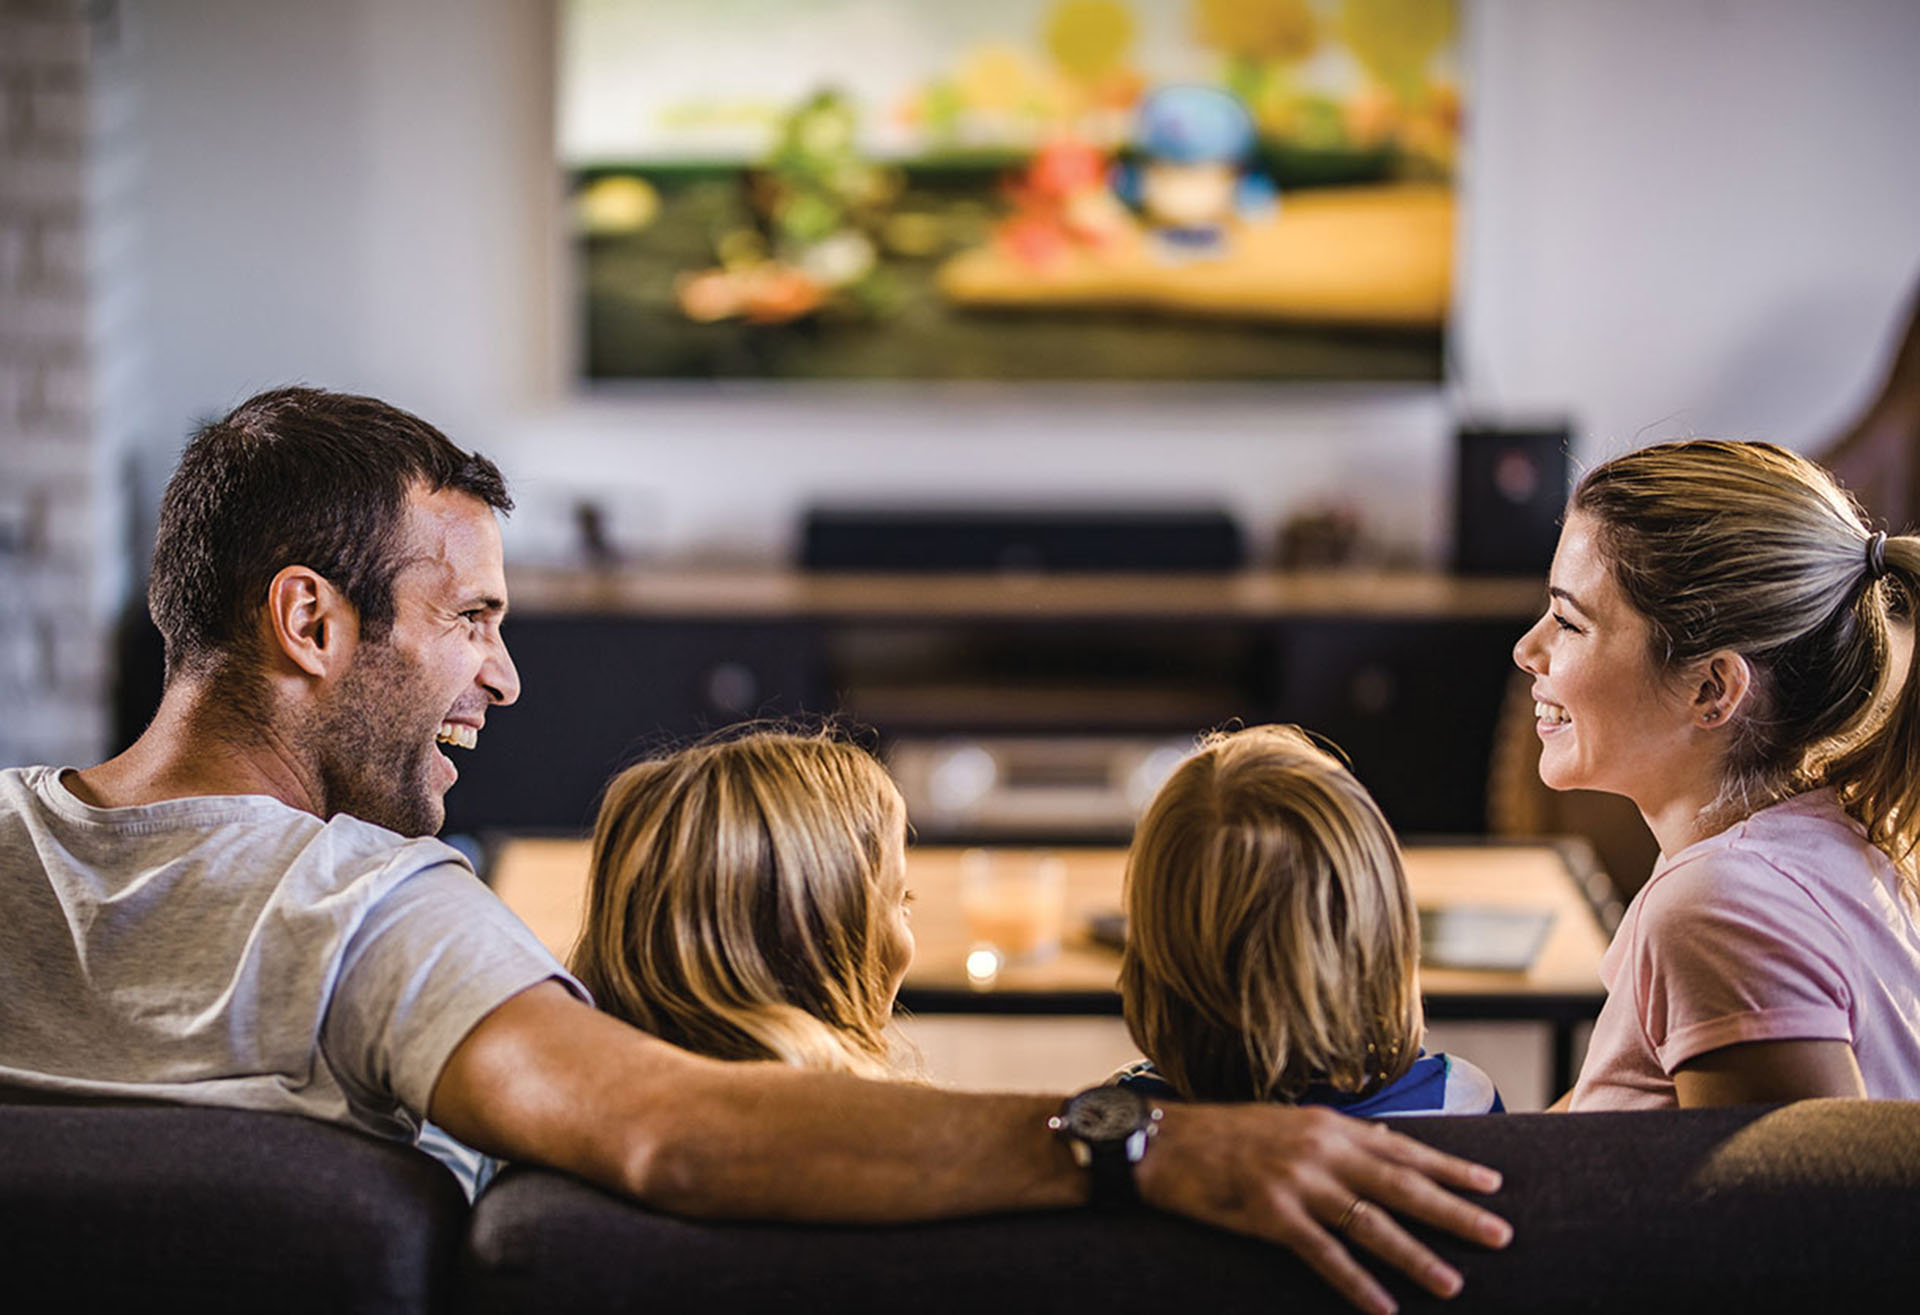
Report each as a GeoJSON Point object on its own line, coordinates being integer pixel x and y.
{"type": "Point", "coordinates": [430, 680]}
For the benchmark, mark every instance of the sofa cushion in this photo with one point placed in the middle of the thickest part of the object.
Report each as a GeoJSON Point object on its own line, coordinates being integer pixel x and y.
{"type": "Point", "coordinates": [207, 1209]}
{"type": "Point", "coordinates": [1754, 1208]}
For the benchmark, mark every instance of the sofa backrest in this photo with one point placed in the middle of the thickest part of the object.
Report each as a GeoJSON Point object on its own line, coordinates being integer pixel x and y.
{"type": "Point", "coordinates": [129, 1207]}
{"type": "Point", "coordinates": [1806, 1207]}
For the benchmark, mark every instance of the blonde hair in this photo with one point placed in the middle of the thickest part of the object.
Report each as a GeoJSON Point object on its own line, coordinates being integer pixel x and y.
{"type": "Point", "coordinates": [1750, 548]}
{"type": "Point", "coordinates": [734, 904]}
{"type": "Point", "coordinates": [1272, 944]}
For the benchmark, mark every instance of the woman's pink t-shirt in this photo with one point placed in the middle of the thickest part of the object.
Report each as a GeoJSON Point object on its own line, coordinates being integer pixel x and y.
{"type": "Point", "coordinates": [1788, 926]}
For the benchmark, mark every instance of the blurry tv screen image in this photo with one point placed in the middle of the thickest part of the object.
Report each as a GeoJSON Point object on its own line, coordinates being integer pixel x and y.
{"type": "Point", "coordinates": [1211, 190]}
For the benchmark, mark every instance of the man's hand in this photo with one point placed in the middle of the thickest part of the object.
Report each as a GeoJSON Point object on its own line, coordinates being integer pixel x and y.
{"type": "Point", "coordinates": [1293, 1176]}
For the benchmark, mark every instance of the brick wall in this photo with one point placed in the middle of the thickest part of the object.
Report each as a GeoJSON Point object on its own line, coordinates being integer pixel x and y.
{"type": "Point", "coordinates": [68, 401]}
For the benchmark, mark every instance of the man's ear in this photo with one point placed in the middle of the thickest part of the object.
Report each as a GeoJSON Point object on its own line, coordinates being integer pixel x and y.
{"type": "Point", "coordinates": [1722, 682]}
{"type": "Point", "coordinates": [311, 622]}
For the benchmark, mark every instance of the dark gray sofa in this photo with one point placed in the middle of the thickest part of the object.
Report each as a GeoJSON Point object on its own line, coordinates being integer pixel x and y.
{"type": "Point", "coordinates": [126, 1208]}
{"type": "Point", "coordinates": [1801, 1207]}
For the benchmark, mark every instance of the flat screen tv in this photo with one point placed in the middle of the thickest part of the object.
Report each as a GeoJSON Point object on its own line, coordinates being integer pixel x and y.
{"type": "Point", "coordinates": [1211, 190]}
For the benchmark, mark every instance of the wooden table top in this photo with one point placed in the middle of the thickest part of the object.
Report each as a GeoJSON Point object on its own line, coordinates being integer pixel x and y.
{"type": "Point", "coordinates": [544, 882]}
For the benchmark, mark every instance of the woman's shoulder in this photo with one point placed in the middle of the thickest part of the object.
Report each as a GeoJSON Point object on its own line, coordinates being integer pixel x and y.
{"type": "Point", "coordinates": [1806, 837]}
{"type": "Point", "coordinates": [1812, 817]}
{"type": "Point", "coordinates": [1783, 877]}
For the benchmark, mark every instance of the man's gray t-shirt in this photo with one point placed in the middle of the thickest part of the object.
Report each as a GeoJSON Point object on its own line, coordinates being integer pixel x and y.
{"type": "Point", "coordinates": [235, 951]}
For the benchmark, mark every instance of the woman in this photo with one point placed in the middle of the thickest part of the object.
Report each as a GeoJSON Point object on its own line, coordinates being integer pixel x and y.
{"type": "Point", "coordinates": [748, 900]}
{"type": "Point", "coordinates": [1718, 648]}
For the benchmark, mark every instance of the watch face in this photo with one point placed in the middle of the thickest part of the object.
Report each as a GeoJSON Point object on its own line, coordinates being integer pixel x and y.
{"type": "Point", "coordinates": [1106, 1114]}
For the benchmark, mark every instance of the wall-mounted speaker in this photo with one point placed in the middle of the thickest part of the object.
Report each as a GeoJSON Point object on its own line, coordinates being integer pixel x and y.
{"type": "Point", "coordinates": [1509, 494]}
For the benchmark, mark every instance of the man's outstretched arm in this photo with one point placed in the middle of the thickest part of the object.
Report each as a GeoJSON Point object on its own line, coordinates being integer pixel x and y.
{"type": "Point", "coordinates": [544, 1078]}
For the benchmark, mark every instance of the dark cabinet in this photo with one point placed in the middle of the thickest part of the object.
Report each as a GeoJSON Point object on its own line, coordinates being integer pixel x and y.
{"type": "Point", "coordinates": [599, 692]}
{"type": "Point", "coordinates": [1405, 674]}
{"type": "Point", "coordinates": [1412, 704]}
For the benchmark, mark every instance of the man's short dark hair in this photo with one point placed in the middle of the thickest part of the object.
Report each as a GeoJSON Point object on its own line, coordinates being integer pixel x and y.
{"type": "Point", "coordinates": [293, 476]}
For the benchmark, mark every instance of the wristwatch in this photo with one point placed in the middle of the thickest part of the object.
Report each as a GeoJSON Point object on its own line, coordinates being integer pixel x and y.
{"type": "Point", "coordinates": [1107, 1129]}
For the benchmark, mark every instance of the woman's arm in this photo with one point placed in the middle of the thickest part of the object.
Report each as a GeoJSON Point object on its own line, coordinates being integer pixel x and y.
{"type": "Point", "coordinates": [1768, 1072]}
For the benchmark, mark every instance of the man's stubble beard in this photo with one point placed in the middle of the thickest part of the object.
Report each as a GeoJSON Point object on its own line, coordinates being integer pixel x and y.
{"type": "Point", "coordinates": [373, 744]}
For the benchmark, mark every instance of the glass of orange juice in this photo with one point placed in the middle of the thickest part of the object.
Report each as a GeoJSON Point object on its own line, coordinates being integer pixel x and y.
{"type": "Point", "coordinates": [1014, 903]}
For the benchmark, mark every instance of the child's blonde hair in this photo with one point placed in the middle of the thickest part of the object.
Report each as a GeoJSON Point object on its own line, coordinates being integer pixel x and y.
{"type": "Point", "coordinates": [1272, 944]}
{"type": "Point", "coordinates": [735, 905]}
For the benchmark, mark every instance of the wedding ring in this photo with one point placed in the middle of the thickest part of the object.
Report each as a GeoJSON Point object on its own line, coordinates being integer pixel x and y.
{"type": "Point", "coordinates": [1349, 1216]}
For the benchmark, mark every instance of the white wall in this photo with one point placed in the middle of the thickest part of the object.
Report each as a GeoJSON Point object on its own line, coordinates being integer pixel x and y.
{"type": "Point", "coordinates": [1682, 216]}
{"type": "Point", "coordinates": [1691, 216]}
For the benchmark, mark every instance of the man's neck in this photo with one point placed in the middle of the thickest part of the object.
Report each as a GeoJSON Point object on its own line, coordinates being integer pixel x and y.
{"type": "Point", "coordinates": [195, 748]}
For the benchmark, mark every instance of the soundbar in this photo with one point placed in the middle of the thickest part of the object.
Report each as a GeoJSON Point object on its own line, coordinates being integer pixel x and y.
{"type": "Point", "coordinates": [1073, 539]}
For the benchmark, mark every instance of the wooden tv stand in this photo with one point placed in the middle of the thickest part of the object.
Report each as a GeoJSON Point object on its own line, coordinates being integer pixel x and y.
{"type": "Point", "coordinates": [1403, 670]}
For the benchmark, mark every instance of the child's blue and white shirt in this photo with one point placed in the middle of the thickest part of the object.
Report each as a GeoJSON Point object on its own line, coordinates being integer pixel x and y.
{"type": "Point", "coordinates": [1436, 1084]}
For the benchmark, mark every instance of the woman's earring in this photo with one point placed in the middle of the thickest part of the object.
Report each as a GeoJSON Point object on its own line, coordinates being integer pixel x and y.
{"type": "Point", "coordinates": [1711, 715]}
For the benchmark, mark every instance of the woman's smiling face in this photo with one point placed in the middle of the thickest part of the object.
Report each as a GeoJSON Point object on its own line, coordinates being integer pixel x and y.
{"type": "Point", "coordinates": [1608, 718]}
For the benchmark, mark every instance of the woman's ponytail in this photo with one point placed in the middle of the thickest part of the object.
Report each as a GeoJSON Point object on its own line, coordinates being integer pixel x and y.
{"type": "Point", "coordinates": [1878, 779]}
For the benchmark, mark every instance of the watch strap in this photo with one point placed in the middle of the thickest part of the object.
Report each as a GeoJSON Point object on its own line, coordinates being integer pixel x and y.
{"type": "Point", "coordinates": [1106, 1146]}
{"type": "Point", "coordinates": [1110, 1177]}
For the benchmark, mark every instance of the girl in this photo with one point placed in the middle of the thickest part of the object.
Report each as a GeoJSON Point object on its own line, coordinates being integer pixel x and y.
{"type": "Point", "coordinates": [1717, 648]}
{"type": "Point", "coordinates": [748, 900]}
{"type": "Point", "coordinates": [1272, 945]}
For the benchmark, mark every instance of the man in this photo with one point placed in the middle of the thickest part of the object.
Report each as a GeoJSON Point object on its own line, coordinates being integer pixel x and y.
{"type": "Point", "coordinates": [231, 912]}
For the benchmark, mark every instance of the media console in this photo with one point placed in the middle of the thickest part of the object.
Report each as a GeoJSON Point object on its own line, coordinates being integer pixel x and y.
{"type": "Point", "coordinates": [1404, 671]}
